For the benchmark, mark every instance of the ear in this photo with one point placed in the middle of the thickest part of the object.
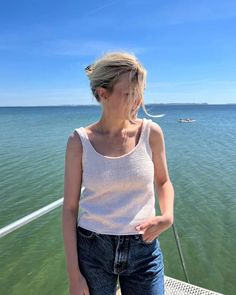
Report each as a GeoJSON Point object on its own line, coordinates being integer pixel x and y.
{"type": "Point", "coordinates": [102, 93]}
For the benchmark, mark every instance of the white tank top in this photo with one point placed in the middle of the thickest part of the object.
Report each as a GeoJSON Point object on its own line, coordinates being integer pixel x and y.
{"type": "Point", "coordinates": [117, 192]}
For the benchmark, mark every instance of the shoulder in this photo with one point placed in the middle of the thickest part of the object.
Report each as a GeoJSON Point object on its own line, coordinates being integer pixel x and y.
{"type": "Point", "coordinates": [91, 129]}
{"type": "Point", "coordinates": [155, 131]}
{"type": "Point", "coordinates": [74, 144]}
{"type": "Point", "coordinates": [156, 137]}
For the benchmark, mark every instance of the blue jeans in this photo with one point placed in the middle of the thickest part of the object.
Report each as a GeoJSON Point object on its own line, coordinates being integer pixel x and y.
{"type": "Point", "coordinates": [103, 258]}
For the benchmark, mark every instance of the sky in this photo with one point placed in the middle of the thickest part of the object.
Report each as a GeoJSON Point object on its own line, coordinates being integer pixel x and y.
{"type": "Point", "coordinates": [187, 47]}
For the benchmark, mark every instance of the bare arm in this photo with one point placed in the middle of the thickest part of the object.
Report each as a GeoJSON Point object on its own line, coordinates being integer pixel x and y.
{"type": "Point", "coordinates": [156, 225]}
{"type": "Point", "coordinates": [164, 187]}
{"type": "Point", "coordinates": [72, 187]}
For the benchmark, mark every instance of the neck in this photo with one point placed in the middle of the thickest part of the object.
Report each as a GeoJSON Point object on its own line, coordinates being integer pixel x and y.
{"type": "Point", "coordinates": [113, 126]}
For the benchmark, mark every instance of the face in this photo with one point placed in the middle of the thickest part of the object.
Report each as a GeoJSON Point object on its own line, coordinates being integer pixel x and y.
{"type": "Point", "coordinates": [118, 102]}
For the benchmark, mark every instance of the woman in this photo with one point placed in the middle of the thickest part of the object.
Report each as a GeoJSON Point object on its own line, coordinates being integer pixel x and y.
{"type": "Point", "coordinates": [119, 161]}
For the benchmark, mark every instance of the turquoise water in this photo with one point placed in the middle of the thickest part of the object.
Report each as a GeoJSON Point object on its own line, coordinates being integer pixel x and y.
{"type": "Point", "coordinates": [202, 165]}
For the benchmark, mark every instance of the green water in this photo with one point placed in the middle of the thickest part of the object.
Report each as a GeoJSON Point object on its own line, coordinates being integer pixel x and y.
{"type": "Point", "coordinates": [201, 159]}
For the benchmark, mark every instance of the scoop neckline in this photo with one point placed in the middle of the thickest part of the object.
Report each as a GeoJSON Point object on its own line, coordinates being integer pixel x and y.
{"type": "Point", "coordinates": [122, 156]}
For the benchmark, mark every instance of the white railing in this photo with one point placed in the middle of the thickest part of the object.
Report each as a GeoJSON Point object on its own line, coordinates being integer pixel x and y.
{"type": "Point", "coordinates": [27, 219]}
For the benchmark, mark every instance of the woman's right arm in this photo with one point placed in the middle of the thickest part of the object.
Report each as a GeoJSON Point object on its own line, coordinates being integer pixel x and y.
{"type": "Point", "coordinates": [72, 188]}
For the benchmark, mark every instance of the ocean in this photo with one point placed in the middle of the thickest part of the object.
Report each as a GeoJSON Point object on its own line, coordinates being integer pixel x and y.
{"type": "Point", "coordinates": [201, 158]}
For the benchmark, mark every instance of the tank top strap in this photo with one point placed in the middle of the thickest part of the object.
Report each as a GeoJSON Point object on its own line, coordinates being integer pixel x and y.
{"type": "Point", "coordinates": [146, 135]}
{"type": "Point", "coordinates": [83, 136]}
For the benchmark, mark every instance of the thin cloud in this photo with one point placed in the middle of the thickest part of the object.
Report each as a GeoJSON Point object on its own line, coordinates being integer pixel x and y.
{"type": "Point", "coordinates": [102, 7]}
{"type": "Point", "coordinates": [193, 82]}
{"type": "Point", "coordinates": [182, 12]}
{"type": "Point", "coordinates": [81, 95]}
{"type": "Point", "coordinates": [70, 47]}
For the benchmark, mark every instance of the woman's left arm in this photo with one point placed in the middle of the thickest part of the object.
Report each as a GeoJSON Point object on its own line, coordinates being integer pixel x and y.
{"type": "Point", "coordinates": [164, 187]}
{"type": "Point", "coordinates": [154, 226]}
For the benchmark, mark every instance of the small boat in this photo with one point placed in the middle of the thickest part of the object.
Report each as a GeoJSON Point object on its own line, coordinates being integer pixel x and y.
{"type": "Point", "coordinates": [186, 120]}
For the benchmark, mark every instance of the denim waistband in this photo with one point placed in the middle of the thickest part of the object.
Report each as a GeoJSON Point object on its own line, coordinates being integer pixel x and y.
{"type": "Point", "coordinates": [131, 236]}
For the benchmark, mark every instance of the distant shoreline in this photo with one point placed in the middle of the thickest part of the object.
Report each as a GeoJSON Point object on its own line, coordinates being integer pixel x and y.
{"type": "Point", "coordinates": [92, 105]}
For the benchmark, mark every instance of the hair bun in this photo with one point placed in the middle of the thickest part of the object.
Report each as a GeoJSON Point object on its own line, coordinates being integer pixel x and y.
{"type": "Point", "coordinates": [89, 69]}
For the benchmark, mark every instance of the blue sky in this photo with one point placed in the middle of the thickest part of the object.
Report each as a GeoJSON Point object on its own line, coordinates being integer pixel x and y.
{"type": "Point", "coordinates": [188, 48]}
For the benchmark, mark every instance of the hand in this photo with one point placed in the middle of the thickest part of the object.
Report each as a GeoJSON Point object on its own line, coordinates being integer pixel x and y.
{"type": "Point", "coordinates": [153, 227]}
{"type": "Point", "coordinates": [78, 286]}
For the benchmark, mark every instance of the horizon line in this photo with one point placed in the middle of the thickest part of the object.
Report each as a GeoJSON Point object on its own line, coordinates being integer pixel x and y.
{"type": "Point", "coordinates": [75, 105]}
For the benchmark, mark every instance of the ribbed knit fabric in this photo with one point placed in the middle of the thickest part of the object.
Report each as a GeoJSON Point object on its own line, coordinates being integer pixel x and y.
{"type": "Point", "coordinates": [118, 192]}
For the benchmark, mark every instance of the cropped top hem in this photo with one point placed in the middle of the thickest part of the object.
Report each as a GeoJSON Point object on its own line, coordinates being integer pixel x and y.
{"type": "Point", "coordinates": [107, 232]}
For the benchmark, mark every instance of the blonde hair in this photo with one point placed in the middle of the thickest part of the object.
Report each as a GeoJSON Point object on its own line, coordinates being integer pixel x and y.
{"type": "Point", "coordinates": [106, 72]}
